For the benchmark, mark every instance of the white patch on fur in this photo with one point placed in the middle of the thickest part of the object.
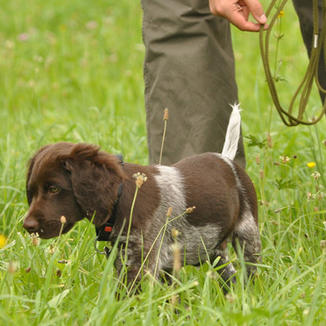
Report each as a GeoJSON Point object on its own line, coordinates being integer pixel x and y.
{"type": "Point", "coordinates": [170, 182]}
{"type": "Point", "coordinates": [230, 267]}
{"type": "Point", "coordinates": [247, 231]}
{"type": "Point", "coordinates": [247, 224]}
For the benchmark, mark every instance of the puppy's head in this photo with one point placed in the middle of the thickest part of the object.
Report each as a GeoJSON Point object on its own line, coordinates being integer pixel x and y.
{"type": "Point", "coordinates": [70, 180]}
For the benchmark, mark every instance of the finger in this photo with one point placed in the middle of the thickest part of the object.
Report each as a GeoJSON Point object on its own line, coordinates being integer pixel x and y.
{"type": "Point", "coordinates": [245, 13]}
{"type": "Point", "coordinates": [239, 21]}
{"type": "Point", "coordinates": [256, 9]}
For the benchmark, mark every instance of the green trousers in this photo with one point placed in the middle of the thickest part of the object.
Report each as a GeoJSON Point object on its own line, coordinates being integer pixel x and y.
{"type": "Point", "coordinates": [304, 9]}
{"type": "Point", "coordinates": [189, 69]}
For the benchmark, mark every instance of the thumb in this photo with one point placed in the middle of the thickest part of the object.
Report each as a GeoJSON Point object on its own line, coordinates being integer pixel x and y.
{"type": "Point", "coordinates": [256, 9]}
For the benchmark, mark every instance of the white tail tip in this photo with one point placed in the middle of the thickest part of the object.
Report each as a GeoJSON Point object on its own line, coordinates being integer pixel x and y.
{"type": "Point", "coordinates": [232, 133]}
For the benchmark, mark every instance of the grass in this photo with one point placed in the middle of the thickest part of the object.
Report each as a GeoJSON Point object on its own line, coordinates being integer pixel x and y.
{"type": "Point", "coordinates": [70, 71]}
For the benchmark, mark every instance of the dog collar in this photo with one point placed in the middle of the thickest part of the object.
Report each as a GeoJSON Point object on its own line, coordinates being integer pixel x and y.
{"type": "Point", "coordinates": [103, 232]}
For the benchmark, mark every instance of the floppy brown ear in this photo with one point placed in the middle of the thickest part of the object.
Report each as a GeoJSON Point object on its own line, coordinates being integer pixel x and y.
{"type": "Point", "coordinates": [95, 178]}
{"type": "Point", "coordinates": [30, 166]}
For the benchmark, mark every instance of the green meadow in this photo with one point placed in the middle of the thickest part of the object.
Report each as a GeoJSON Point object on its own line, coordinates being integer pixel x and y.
{"type": "Point", "coordinates": [72, 71]}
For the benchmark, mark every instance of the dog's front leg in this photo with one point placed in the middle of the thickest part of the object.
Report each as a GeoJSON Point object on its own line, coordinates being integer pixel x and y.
{"type": "Point", "coordinates": [136, 262]}
{"type": "Point", "coordinates": [129, 262]}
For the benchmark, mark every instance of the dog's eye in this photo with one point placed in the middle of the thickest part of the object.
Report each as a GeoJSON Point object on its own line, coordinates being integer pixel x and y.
{"type": "Point", "coordinates": [53, 189]}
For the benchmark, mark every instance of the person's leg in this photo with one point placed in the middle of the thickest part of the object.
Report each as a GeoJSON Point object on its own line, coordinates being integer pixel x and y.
{"type": "Point", "coordinates": [304, 9]}
{"type": "Point", "coordinates": [189, 69]}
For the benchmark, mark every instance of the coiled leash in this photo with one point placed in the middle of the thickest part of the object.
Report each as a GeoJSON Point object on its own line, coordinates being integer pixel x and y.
{"type": "Point", "coordinates": [304, 89]}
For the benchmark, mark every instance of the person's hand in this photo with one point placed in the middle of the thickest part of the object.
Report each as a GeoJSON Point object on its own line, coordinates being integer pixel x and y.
{"type": "Point", "coordinates": [237, 12]}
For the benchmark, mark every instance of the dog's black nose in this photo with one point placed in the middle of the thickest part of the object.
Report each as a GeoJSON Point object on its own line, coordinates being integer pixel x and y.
{"type": "Point", "coordinates": [31, 224]}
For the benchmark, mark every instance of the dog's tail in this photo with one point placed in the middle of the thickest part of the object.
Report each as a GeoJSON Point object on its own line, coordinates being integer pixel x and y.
{"type": "Point", "coordinates": [232, 136]}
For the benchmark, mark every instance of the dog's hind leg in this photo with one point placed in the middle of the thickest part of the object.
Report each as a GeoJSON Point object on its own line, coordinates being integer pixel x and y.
{"type": "Point", "coordinates": [227, 270]}
{"type": "Point", "coordinates": [247, 239]}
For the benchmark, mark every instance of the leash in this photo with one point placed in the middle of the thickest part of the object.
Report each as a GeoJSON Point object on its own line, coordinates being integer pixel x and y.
{"type": "Point", "coordinates": [104, 231]}
{"type": "Point", "coordinates": [303, 91]}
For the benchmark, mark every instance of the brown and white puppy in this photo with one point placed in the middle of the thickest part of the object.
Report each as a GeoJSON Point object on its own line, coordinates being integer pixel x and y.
{"type": "Point", "coordinates": [79, 180]}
